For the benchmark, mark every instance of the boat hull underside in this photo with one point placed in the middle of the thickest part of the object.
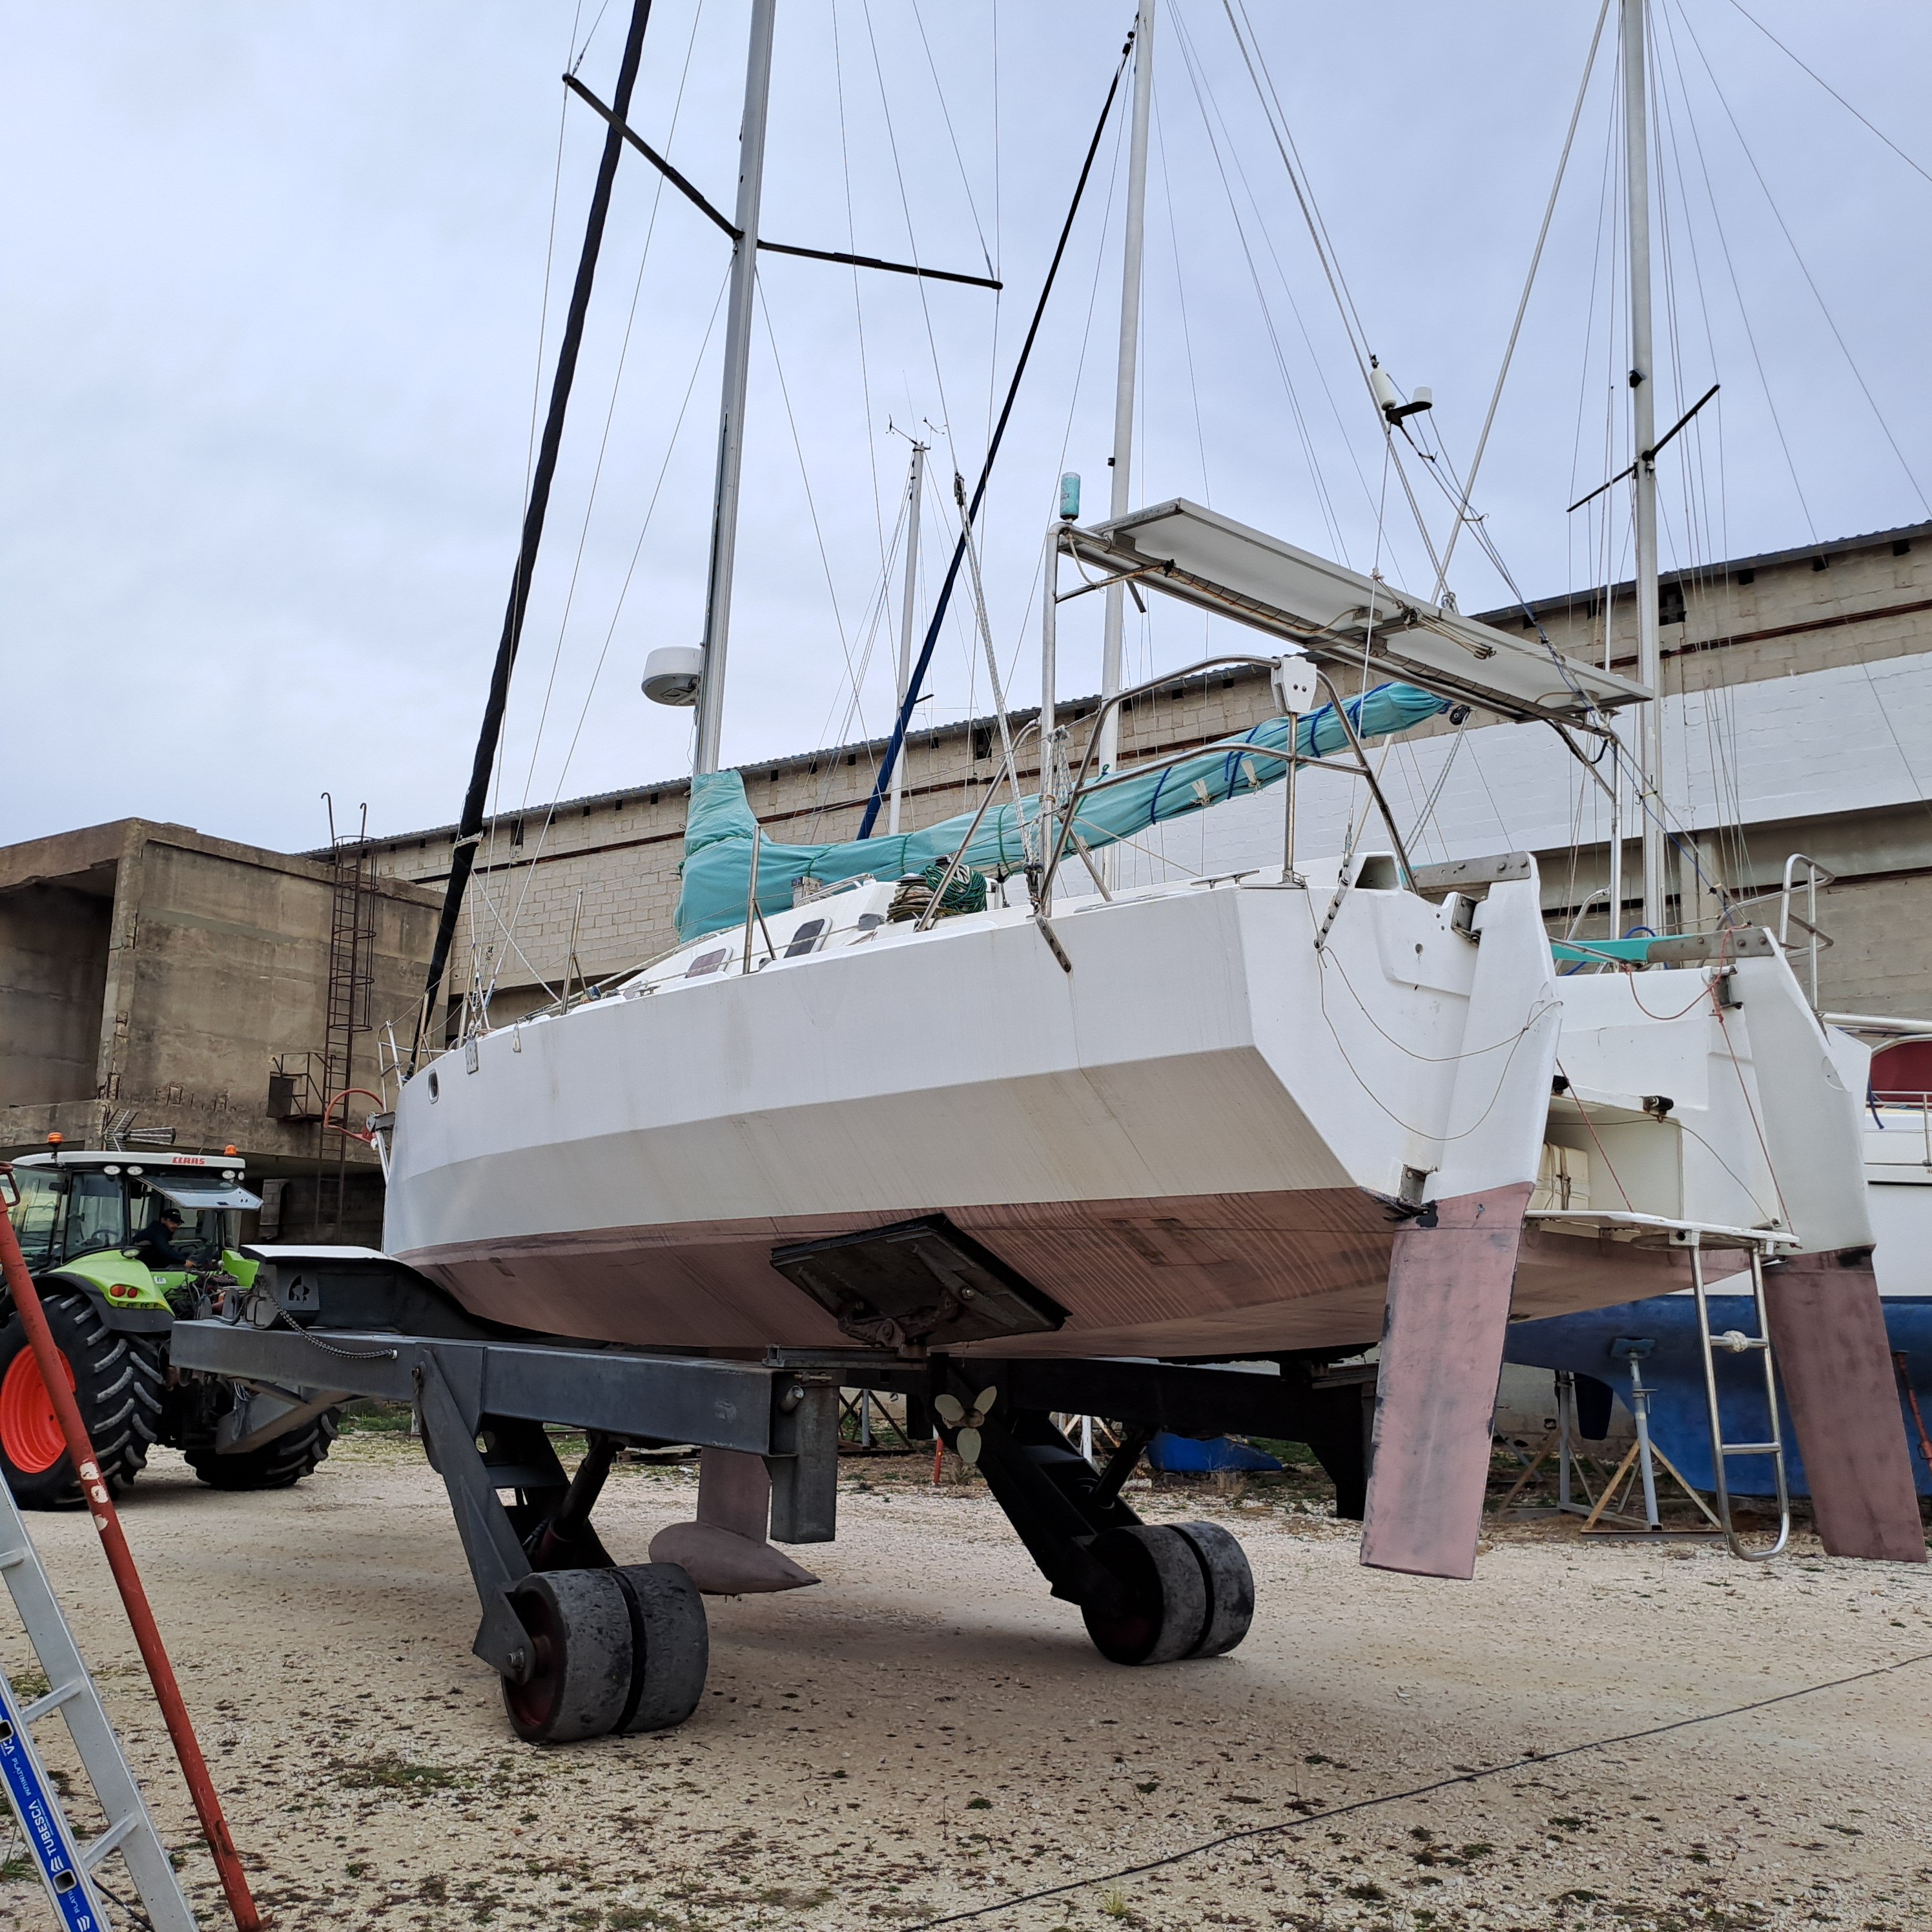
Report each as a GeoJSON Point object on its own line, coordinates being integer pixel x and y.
{"type": "Point", "coordinates": [1195, 1275]}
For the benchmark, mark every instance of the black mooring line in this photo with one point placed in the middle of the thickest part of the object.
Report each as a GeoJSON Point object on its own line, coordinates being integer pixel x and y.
{"type": "Point", "coordinates": [469, 826]}
{"type": "Point", "coordinates": [1414, 1791]}
{"type": "Point", "coordinates": [884, 781]}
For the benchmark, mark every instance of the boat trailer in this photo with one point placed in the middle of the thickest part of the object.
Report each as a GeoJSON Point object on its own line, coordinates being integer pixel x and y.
{"type": "Point", "coordinates": [585, 1646]}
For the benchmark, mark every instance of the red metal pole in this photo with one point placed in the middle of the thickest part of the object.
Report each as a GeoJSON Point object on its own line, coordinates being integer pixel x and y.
{"type": "Point", "coordinates": [127, 1580]}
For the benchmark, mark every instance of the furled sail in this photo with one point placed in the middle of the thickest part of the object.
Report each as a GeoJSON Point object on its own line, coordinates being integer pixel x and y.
{"type": "Point", "coordinates": [720, 827]}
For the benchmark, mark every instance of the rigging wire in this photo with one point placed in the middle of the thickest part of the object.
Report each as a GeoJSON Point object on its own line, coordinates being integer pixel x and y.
{"type": "Point", "coordinates": [603, 441]}
{"type": "Point", "coordinates": [1750, 335]}
{"type": "Point", "coordinates": [946, 115]}
{"type": "Point", "coordinates": [536, 396]}
{"type": "Point", "coordinates": [1522, 305]}
{"type": "Point", "coordinates": [1203, 95]}
{"type": "Point", "coordinates": [1180, 299]}
{"type": "Point", "coordinates": [585, 47]}
{"type": "Point", "coordinates": [858, 301]}
{"type": "Point", "coordinates": [912, 244]}
{"type": "Point", "coordinates": [805, 478]}
{"type": "Point", "coordinates": [1804, 268]}
{"type": "Point", "coordinates": [1834, 93]}
{"type": "Point", "coordinates": [1276, 118]}
{"type": "Point", "coordinates": [921, 665]}
{"type": "Point", "coordinates": [623, 592]}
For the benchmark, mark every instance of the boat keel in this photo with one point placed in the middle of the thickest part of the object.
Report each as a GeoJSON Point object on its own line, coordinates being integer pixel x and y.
{"type": "Point", "coordinates": [725, 1552]}
{"type": "Point", "coordinates": [1449, 1281]}
{"type": "Point", "coordinates": [1828, 1335]}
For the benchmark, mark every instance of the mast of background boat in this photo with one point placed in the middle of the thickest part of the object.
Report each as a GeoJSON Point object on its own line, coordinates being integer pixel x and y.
{"type": "Point", "coordinates": [915, 497]}
{"type": "Point", "coordinates": [1120, 463]}
{"type": "Point", "coordinates": [737, 370]}
{"type": "Point", "coordinates": [1649, 772]}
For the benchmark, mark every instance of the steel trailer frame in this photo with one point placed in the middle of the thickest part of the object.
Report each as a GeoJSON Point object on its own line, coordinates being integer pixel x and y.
{"type": "Point", "coordinates": [483, 1404]}
{"type": "Point", "coordinates": [319, 1328]}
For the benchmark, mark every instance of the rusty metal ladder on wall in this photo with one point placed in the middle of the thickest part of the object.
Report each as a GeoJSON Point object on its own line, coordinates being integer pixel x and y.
{"type": "Point", "coordinates": [1734, 1341]}
{"type": "Point", "coordinates": [69, 1868]}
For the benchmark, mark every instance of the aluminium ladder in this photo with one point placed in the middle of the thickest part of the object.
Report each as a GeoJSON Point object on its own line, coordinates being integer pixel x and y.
{"type": "Point", "coordinates": [67, 1866]}
{"type": "Point", "coordinates": [1735, 1341]}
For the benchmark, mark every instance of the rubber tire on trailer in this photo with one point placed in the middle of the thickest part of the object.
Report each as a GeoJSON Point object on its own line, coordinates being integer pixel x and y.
{"type": "Point", "coordinates": [1230, 1587]}
{"type": "Point", "coordinates": [579, 1671]}
{"type": "Point", "coordinates": [671, 1645]}
{"type": "Point", "coordinates": [622, 1650]}
{"type": "Point", "coordinates": [1189, 1593]}
{"type": "Point", "coordinates": [117, 1383]}
{"type": "Point", "coordinates": [279, 1464]}
{"type": "Point", "coordinates": [1165, 1614]}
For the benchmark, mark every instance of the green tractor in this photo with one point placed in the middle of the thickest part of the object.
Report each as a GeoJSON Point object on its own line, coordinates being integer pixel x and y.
{"type": "Point", "coordinates": [87, 1224]}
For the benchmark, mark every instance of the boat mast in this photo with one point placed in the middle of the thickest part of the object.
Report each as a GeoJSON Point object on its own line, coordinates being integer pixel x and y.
{"type": "Point", "coordinates": [737, 370]}
{"type": "Point", "coordinates": [1649, 772]}
{"type": "Point", "coordinates": [1120, 464]}
{"type": "Point", "coordinates": [915, 499]}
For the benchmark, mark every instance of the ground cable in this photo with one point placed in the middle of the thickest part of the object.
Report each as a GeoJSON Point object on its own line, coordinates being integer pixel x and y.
{"type": "Point", "coordinates": [1414, 1791]}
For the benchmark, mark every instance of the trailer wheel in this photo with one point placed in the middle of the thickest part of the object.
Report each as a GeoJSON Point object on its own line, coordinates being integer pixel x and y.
{"type": "Point", "coordinates": [622, 1651]}
{"type": "Point", "coordinates": [1231, 1588]}
{"type": "Point", "coordinates": [671, 1645]}
{"type": "Point", "coordinates": [1185, 1591]}
{"type": "Point", "coordinates": [579, 1681]}
{"type": "Point", "coordinates": [117, 1381]}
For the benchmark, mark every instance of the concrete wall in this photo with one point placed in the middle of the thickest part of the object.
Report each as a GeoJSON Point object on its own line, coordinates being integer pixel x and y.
{"type": "Point", "coordinates": [53, 972]}
{"type": "Point", "coordinates": [203, 960]}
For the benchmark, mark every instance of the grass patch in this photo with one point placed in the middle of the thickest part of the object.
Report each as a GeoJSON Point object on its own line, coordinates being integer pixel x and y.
{"type": "Point", "coordinates": [392, 1772]}
{"type": "Point", "coordinates": [367, 1416]}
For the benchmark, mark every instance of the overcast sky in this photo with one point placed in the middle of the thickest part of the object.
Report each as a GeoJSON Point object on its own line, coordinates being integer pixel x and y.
{"type": "Point", "coordinates": [276, 316]}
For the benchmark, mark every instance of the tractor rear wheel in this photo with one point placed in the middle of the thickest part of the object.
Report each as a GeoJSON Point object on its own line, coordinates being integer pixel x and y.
{"type": "Point", "coordinates": [117, 1380]}
{"type": "Point", "coordinates": [196, 1407]}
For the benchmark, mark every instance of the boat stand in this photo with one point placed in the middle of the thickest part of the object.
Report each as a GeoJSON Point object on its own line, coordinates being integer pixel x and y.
{"type": "Point", "coordinates": [1645, 1455]}
{"type": "Point", "coordinates": [1640, 1463]}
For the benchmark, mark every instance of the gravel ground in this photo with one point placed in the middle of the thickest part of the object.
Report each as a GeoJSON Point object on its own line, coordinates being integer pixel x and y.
{"type": "Point", "coordinates": [929, 1734]}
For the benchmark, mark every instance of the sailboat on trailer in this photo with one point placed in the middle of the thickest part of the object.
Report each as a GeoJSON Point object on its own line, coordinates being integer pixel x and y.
{"type": "Point", "coordinates": [1016, 1111]}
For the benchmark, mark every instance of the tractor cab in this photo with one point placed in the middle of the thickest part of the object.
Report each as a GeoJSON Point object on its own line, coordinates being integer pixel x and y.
{"type": "Point", "coordinates": [73, 1205]}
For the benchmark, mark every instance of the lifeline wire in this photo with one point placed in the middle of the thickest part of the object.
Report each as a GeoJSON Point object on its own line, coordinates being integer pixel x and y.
{"type": "Point", "coordinates": [1418, 1791]}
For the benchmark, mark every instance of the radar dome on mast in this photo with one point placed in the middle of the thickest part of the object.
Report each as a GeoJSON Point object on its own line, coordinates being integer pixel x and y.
{"type": "Point", "coordinates": [672, 673]}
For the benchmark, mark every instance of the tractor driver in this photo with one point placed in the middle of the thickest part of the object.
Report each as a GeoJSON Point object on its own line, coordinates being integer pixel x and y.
{"type": "Point", "coordinates": [156, 1245]}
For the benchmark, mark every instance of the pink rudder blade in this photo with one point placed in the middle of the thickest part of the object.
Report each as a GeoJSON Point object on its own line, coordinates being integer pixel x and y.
{"type": "Point", "coordinates": [1442, 1357]}
{"type": "Point", "coordinates": [1827, 1338]}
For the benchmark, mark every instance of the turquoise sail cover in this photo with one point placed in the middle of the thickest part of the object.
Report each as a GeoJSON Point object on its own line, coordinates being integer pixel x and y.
{"type": "Point", "coordinates": [717, 871]}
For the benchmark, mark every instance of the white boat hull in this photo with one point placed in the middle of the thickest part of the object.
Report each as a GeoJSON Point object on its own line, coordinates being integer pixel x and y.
{"type": "Point", "coordinates": [1192, 1142]}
